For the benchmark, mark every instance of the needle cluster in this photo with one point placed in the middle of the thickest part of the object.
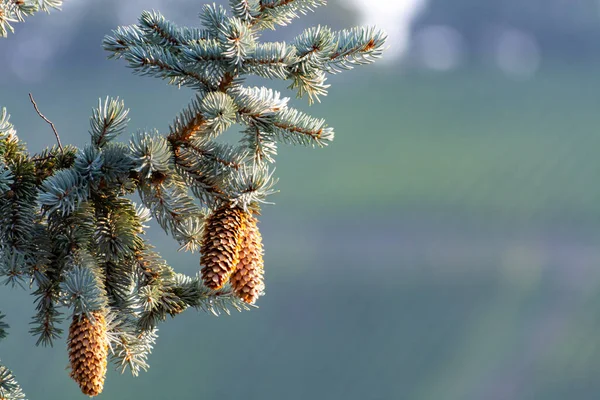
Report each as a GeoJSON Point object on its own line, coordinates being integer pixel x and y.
{"type": "Point", "coordinates": [69, 230]}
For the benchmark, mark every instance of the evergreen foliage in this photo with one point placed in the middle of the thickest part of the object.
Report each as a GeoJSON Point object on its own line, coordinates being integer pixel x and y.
{"type": "Point", "coordinates": [13, 11]}
{"type": "Point", "coordinates": [69, 229]}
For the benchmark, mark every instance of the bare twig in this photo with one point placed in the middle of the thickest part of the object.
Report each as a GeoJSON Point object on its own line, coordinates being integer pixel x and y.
{"type": "Point", "coordinates": [48, 121]}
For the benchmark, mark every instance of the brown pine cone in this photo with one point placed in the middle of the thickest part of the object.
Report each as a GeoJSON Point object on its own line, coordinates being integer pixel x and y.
{"type": "Point", "coordinates": [221, 243]}
{"type": "Point", "coordinates": [88, 352]}
{"type": "Point", "coordinates": [247, 280]}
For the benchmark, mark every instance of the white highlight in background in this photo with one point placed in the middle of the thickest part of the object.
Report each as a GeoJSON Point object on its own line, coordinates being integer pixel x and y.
{"type": "Point", "coordinates": [517, 53]}
{"type": "Point", "coordinates": [439, 47]}
{"type": "Point", "coordinates": [394, 17]}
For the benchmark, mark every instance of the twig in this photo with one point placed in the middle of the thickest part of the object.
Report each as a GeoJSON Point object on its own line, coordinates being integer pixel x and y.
{"type": "Point", "coordinates": [37, 159]}
{"type": "Point", "coordinates": [48, 121]}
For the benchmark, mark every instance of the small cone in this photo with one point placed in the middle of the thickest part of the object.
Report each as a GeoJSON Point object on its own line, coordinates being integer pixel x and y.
{"type": "Point", "coordinates": [221, 245]}
{"type": "Point", "coordinates": [247, 280]}
{"type": "Point", "coordinates": [88, 352]}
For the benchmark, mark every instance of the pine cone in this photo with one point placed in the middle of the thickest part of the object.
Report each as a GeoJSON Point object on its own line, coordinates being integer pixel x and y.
{"type": "Point", "coordinates": [247, 280]}
{"type": "Point", "coordinates": [221, 243]}
{"type": "Point", "coordinates": [88, 352]}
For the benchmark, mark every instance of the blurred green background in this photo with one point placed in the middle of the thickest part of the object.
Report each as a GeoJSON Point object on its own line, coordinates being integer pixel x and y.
{"type": "Point", "coordinates": [446, 246]}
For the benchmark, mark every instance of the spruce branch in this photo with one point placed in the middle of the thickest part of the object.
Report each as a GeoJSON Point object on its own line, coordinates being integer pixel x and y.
{"type": "Point", "coordinates": [151, 154]}
{"type": "Point", "coordinates": [117, 165]}
{"type": "Point", "coordinates": [237, 40]}
{"type": "Point", "coordinates": [123, 38]}
{"type": "Point", "coordinates": [7, 129]}
{"type": "Point", "coordinates": [46, 5]}
{"type": "Point", "coordinates": [262, 144]}
{"type": "Point", "coordinates": [175, 211]}
{"type": "Point", "coordinates": [68, 228]}
{"type": "Point", "coordinates": [311, 84]}
{"type": "Point", "coordinates": [155, 295]}
{"type": "Point", "coordinates": [13, 11]}
{"type": "Point", "coordinates": [9, 388]}
{"type": "Point", "coordinates": [160, 31]}
{"type": "Point", "coordinates": [213, 17]}
{"type": "Point", "coordinates": [246, 10]}
{"type": "Point", "coordinates": [51, 160]}
{"type": "Point", "coordinates": [195, 294]}
{"type": "Point", "coordinates": [83, 288]}
{"type": "Point", "coordinates": [189, 123]}
{"type": "Point", "coordinates": [252, 186]}
{"type": "Point", "coordinates": [13, 267]}
{"type": "Point", "coordinates": [3, 326]}
{"type": "Point", "coordinates": [107, 121]}
{"type": "Point", "coordinates": [6, 178]}
{"type": "Point", "coordinates": [47, 318]}
{"type": "Point", "coordinates": [63, 191]}
{"type": "Point", "coordinates": [117, 232]}
{"type": "Point", "coordinates": [313, 47]}
{"type": "Point", "coordinates": [130, 349]}
{"type": "Point", "coordinates": [281, 12]}
{"type": "Point", "coordinates": [219, 112]}
{"type": "Point", "coordinates": [211, 158]}
{"type": "Point", "coordinates": [153, 60]}
{"type": "Point", "coordinates": [205, 187]}
{"type": "Point", "coordinates": [356, 46]}
{"type": "Point", "coordinates": [258, 106]}
{"type": "Point", "coordinates": [293, 126]}
{"type": "Point", "coordinates": [270, 60]}
{"type": "Point", "coordinates": [206, 59]}
{"type": "Point", "coordinates": [17, 211]}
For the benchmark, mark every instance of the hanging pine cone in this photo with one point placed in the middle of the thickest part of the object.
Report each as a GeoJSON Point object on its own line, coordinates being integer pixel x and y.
{"type": "Point", "coordinates": [247, 280]}
{"type": "Point", "coordinates": [221, 243]}
{"type": "Point", "coordinates": [88, 352]}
